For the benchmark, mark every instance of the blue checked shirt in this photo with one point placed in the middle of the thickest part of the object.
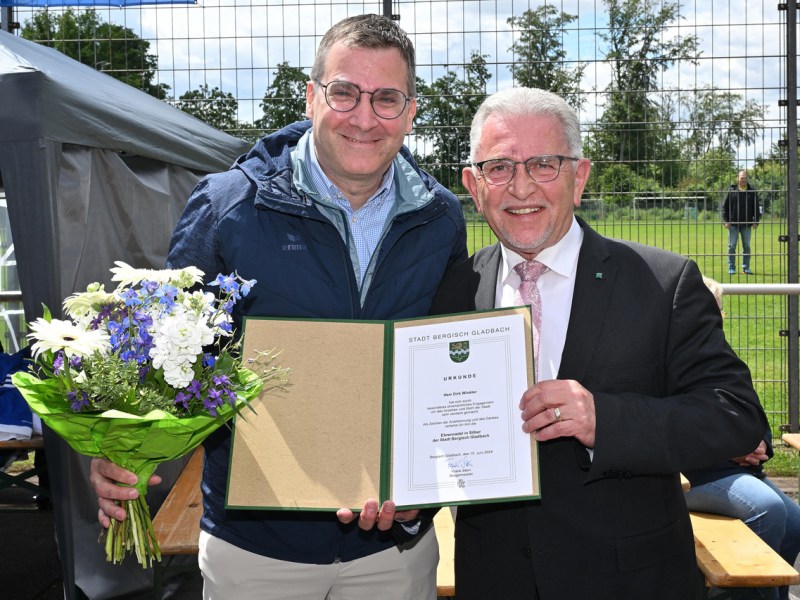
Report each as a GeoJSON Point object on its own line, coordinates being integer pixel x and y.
{"type": "Point", "coordinates": [366, 224]}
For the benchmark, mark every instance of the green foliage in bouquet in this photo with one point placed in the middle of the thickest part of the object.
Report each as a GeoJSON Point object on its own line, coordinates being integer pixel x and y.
{"type": "Point", "coordinates": [143, 375]}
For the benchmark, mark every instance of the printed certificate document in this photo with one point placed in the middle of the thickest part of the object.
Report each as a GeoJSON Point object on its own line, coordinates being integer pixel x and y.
{"type": "Point", "coordinates": [422, 411]}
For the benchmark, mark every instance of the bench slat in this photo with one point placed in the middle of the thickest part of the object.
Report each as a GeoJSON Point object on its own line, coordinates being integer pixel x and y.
{"type": "Point", "coordinates": [35, 443]}
{"type": "Point", "coordinates": [177, 524]}
{"type": "Point", "coordinates": [731, 555]}
{"type": "Point", "coordinates": [445, 572]}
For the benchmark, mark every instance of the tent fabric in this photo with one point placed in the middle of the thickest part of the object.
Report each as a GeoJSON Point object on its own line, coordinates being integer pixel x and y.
{"type": "Point", "coordinates": [93, 171]}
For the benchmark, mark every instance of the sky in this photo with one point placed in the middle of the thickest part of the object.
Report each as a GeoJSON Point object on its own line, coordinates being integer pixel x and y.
{"type": "Point", "coordinates": [236, 44]}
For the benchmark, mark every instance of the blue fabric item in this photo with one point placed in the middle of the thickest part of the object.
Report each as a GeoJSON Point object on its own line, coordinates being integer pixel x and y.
{"type": "Point", "coordinates": [35, 3]}
{"type": "Point", "coordinates": [262, 219]}
{"type": "Point", "coordinates": [16, 419]}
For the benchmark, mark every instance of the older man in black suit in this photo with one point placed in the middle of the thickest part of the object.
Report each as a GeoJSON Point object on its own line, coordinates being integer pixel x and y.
{"type": "Point", "coordinates": [636, 381]}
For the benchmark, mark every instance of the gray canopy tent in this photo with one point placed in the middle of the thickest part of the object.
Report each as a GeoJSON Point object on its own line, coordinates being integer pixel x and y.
{"type": "Point", "coordinates": [94, 171]}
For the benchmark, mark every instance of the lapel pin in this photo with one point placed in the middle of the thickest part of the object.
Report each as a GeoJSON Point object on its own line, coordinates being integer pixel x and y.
{"type": "Point", "coordinates": [599, 276]}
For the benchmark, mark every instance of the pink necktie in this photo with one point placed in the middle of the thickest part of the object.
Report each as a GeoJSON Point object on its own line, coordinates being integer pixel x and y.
{"type": "Point", "coordinates": [529, 271]}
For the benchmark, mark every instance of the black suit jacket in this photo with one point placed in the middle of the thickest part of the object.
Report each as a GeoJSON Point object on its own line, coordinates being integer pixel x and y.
{"type": "Point", "coordinates": [645, 338]}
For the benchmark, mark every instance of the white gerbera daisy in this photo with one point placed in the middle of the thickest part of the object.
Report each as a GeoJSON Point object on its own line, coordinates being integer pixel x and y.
{"type": "Point", "coordinates": [181, 278]}
{"type": "Point", "coordinates": [86, 303]}
{"type": "Point", "coordinates": [58, 335]}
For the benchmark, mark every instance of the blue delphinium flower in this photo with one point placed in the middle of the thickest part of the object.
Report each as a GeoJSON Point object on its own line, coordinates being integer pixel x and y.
{"type": "Point", "coordinates": [183, 398]}
{"type": "Point", "coordinates": [58, 363]}
{"type": "Point", "coordinates": [196, 388]}
{"type": "Point", "coordinates": [79, 400]}
{"type": "Point", "coordinates": [228, 284]}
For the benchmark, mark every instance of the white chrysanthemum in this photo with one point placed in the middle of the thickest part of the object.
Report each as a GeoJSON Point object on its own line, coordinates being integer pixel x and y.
{"type": "Point", "coordinates": [178, 340]}
{"type": "Point", "coordinates": [184, 278]}
{"type": "Point", "coordinates": [88, 303]}
{"type": "Point", "coordinates": [58, 335]}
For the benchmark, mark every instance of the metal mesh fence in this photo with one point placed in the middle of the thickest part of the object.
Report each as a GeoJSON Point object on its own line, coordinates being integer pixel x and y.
{"type": "Point", "coordinates": [674, 99]}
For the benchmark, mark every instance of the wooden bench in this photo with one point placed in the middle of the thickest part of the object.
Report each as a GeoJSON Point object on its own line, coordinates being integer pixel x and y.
{"type": "Point", "coordinates": [23, 478]}
{"type": "Point", "coordinates": [730, 554]}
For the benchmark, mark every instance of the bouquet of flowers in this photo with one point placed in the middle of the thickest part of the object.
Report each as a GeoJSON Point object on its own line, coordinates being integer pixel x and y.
{"type": "Point", "coordinates": [142, 375]}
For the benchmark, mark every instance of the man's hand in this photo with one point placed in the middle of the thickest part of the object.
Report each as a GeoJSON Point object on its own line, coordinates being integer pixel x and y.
{"type": "Point", "coordinates": [726, 225]}
{"type": "Point", "coordinates": [371, 516]}
{"type": "Point", "coordinates": [104, 476]}
{"type": "Point", "coordinates": [559, 408]}
{"type": "Point", "coordinates": [755, 458]}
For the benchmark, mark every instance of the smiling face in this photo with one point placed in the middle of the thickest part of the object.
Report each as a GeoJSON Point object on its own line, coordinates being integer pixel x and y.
{"type": "Point", "coordinates": [356, 148]}
{"type": "Point", "coordinates": [525, 215]}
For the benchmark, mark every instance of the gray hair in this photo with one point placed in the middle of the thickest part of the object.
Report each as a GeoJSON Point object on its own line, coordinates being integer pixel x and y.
{"type": "Point", "coordinates": [527, 102]}
{"type": "Point", "coordinates": [373, 32]}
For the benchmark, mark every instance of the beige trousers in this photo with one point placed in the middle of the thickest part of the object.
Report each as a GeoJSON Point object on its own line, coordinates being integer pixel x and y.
{"type": "Point", "coordinates": [230, 573]}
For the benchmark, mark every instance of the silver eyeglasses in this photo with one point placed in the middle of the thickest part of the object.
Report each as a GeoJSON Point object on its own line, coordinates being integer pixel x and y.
{"type": "Point", "coordinates": [500, 171]}
{"type": "Point", "coordinates": [343, 96]}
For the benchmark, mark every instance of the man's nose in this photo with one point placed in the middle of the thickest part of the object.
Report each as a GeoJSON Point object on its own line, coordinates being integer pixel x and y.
{"type": "Point", "coordinates": [363, 115]}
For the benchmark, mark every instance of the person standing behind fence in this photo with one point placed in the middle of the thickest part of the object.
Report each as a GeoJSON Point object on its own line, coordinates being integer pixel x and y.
{"type": "Point", "coordinates": [740, 215]}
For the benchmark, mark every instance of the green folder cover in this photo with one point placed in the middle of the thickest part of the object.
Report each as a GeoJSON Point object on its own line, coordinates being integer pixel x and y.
{"type": "Point", "coordinates": [326, 440]}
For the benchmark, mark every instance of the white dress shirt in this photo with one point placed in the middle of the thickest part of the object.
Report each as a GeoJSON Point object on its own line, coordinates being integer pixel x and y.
{"type": "Point", "coordinates": [555, 288]}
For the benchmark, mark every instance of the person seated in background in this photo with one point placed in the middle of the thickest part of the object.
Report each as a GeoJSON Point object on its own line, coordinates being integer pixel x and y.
{"type": "Point", "coordinates": [739, 488]}
{"type": "Point", "coordinates": [16, 419]}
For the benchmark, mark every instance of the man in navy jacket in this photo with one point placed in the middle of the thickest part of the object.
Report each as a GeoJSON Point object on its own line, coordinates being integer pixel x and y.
{"type": "Point", "coordinates": [334, 219]}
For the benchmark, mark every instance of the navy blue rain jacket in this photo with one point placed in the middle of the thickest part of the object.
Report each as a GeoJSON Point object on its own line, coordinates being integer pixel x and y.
{"type": "Point", "coordinates": [251, 219]}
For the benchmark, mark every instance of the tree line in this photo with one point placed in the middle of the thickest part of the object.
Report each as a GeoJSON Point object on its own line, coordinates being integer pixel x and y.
{"type": "Point", "coordinates": [645, 141]}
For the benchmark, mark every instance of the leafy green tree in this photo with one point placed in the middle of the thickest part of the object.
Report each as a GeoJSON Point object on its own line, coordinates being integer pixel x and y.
{"type": "Point", "coordinates": [285, 99]}
{"type": "Point", "coordinates": [632, 128]}
{"type": "Point", "coordinates": [215, 107]}
{"type": "Point", "coordinates": [540, 57]}
{"type": "Point", "coordinates": [444, 112]}
{"type": "Point", "coordinates": [113, 49]}
{"type": "Point", "coordinates": [720, 118]}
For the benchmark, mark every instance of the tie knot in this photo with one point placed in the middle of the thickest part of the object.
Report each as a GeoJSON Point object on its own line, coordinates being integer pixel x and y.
{"type": "Point", "coordinates": [530, 270]}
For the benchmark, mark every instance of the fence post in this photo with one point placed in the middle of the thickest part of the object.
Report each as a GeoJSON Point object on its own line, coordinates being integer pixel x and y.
{"type": "Point", "coordinates": [792, 212]}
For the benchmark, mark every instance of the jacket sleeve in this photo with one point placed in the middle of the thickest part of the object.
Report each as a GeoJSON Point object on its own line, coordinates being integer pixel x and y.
{"type": "Point", "coordinates": [707, 410]}
{"type": "Point", "coordinates": [726, 208]}
{"type": "Point", "coordinates": [195, 240]}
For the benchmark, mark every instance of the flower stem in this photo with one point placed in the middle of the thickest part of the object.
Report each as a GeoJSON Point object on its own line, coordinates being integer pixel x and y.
{"type": "Point", "coordinates": [135, 533]}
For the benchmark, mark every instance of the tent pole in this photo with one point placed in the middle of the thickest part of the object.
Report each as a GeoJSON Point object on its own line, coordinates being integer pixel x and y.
{"type": "Point", "coordinates": [7, 19]}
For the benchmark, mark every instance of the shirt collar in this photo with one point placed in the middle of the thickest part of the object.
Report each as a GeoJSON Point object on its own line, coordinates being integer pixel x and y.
{"type": "Point", "coordinates": [561, 257]}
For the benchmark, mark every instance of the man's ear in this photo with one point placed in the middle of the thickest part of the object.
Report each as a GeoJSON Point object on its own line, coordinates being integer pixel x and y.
{"type": "Point", "coordinates": [582, 170]}
{"type": "Point", "coordinates": [471, 183]}
{"type": "Point", "coordinates": [310, 99]}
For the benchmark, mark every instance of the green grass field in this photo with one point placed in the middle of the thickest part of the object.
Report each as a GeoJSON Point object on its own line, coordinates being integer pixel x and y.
{"type": "Point", "coordinates": [753, 324]}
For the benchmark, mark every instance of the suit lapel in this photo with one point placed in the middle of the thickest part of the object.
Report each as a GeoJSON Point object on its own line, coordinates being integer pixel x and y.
{"type": "Point", "coordinates": [594, 284]}
{"type": "Point", "coordinates": [487, 264]}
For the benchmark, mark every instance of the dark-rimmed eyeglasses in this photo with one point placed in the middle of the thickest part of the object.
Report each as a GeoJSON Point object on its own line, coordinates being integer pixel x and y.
{"type": "Point", "coordinates": [343, 96]}
{"type": "Point", "coordinates": [500, 171]}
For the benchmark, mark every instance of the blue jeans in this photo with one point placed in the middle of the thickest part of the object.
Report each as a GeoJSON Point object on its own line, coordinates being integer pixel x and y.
{"type": "Point", "coordinates": [734, 230]}
{"type": "Point", "coordinates": [762, 506]}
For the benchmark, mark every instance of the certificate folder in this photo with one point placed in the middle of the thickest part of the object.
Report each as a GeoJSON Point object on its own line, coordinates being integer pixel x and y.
{"type": "Point", "coordinates": [421, 411]}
